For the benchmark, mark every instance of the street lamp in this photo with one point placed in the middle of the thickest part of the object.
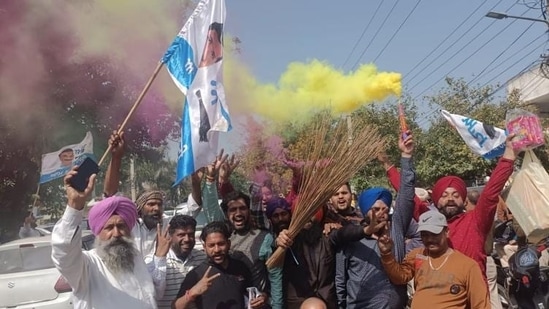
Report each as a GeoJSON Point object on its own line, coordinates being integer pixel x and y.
{"type": "Point", "coordinates": [497, 15]}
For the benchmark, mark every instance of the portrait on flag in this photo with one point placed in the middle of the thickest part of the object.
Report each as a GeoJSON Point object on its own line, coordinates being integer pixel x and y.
{"type": "Point", "coordinates": [195, 62]}
{"type": "Point", "coordinates": [56, 164]}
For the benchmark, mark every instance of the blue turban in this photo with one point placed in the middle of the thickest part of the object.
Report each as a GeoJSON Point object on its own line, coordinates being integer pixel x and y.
{"type": "Point", "coordinates": [368, 198]}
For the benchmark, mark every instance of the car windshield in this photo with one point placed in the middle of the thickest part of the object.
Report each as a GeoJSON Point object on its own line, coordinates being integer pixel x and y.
{"type": "Point", "coordinates": [25, 258]}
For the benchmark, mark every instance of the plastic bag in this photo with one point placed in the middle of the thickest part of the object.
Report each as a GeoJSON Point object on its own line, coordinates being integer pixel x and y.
{"type": "Point", "coordinates": [527, 127]}
{"type": "Point", "coordinates": [528, 198]}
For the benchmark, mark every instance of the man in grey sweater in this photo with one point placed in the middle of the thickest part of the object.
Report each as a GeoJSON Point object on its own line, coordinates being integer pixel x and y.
{"type": "Point", "coordinates": [366, 284]}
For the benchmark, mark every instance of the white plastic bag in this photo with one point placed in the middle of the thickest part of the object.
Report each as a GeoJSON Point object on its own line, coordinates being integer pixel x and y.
{"type": "Point", "coordinates": [528, 198]}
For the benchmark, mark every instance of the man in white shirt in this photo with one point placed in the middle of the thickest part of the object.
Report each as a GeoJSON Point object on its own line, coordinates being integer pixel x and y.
{"type": "Point", "coordinates": [113, 274]}
{"type": "Point", "coordinates": [150, 203]}
{"type": "Point", "coordinates": [150, 208]}
{"type": "Point", "coordinates": [29, 227]}
{"type": "Point", "coordinates": [180, 259]}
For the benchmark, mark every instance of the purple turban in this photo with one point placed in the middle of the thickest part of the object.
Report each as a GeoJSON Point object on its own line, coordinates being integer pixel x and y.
{"type": "Point", "coordinates": [274, 204]}
{"type": "Point", "coordinates": [101, 212]}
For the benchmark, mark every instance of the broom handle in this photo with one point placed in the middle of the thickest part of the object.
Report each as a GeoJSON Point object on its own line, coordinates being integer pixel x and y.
{"type": "Point", "coordinates": [134, 107]}
{"type": "Point", "coordinates": [276, 258]}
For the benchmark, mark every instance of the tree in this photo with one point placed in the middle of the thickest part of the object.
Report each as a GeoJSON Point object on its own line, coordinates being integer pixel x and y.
{"type": "Point", "coordinates": [445, 152]}
{"type": "Point", "coordinates": [55, 102]}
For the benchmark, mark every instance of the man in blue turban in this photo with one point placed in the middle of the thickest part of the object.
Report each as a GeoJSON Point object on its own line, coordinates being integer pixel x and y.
{"type": "Point", "coordinates": [375, 196]}
{"type": "Point", "coordinates": [365, 283]}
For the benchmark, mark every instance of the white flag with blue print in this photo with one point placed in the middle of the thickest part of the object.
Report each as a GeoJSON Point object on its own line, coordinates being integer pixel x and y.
{"type": "Point", "coordinates": [56, 164]}
{"type": "Point", "coordinates": [195, 63]}
{"type": "Point", "coordinates": [485, 140]}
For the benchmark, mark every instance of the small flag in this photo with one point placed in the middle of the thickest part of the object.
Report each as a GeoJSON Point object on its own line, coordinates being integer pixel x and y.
{"type": "Point", "coordinates": [485, 140]}
{"type": "Point", "coordinates": [195, 63]}
{"type": "Point", "coordinates": [57, 164]}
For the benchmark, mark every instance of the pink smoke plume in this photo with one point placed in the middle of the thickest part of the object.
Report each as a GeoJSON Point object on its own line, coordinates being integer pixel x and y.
{"type": "Point", "coordinates": [66, 65]}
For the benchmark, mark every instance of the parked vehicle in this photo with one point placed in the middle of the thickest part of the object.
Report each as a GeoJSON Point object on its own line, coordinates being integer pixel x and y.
{"type": "Point", "coordinates": [524, 284]}
{"type": "Point", "coordinates": [28, 278]}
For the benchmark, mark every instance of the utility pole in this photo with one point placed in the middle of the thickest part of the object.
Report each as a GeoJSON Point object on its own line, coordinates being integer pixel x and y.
{"type": "Point", "coordinates": [132, 179]}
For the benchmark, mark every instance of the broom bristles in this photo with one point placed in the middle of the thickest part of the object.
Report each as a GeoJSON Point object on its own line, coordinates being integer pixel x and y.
{"type": "Point", "coordinates": [335, 155]}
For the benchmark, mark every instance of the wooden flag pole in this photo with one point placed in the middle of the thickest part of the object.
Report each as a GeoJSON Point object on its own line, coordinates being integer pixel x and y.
{"type": "Point", "coordinates": [36, 195]}
{"type": "Point", "coordinates": [135, 105]}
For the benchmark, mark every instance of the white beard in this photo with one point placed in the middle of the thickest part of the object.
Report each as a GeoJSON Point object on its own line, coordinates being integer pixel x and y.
{"type": "Point", "coordinates": [117, 253]}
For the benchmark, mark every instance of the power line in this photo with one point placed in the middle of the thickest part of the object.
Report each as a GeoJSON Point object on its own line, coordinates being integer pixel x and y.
{"type": "Point", "coordinates": [464, 60]}
{"type": "Point", "coordinates": [454, 43]}
{"type": "Point", "coordinates": [375, 35]}
{"type": "Point", "coordinates": [398, 29]}
{"type": "Point", "coordinates": [363, 32]}
{"type": "Point", "coordinates": [446, 38]}
{"type": "Point", "coordinates": [513, 55]}
{"type": "Point", "coordinates": [425, 118]}
{"type": "Point", "coordinates": [501, 54]}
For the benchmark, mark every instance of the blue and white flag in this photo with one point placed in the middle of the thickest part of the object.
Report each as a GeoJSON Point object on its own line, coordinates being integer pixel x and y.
{"type": "Point", "coordinates": [485, 140]}
{"type": "Point", "coordinates": [195, 63]}
{"type": "Point", "coordinates": [57, 164]}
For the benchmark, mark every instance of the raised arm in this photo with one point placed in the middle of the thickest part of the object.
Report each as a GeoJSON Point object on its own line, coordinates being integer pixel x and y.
{"type": "Point", "coordinates": [398, 273]}
{"type": "Point", "coordinates": [210, 199]}
{"type": "Point", "coordinates": [225, 187]}
{"type": "Point", "coordinates": [394, 178]}
{"type": "Point", "coordinates": [112, 176]}
{"type": "Point", "coordinates": [404, 207]}
{"type": "Point", "coordinates": [489, 198]}
{"type": "Point", "coordinates": [66, 238]}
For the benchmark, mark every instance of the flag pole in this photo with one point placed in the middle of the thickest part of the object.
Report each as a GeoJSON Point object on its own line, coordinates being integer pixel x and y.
{"type": "Point", "coordinates": [36, 195]}
{"type": "Point", "coordinates": [135, 105]}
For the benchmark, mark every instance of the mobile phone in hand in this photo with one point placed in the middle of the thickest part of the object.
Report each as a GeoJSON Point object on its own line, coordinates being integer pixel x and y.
{"type": "Point", "coordinates": [85, 170]}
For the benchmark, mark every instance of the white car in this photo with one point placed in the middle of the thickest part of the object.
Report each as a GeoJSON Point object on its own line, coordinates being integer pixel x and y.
{"type": "Point", "coordinates": [28, 278]}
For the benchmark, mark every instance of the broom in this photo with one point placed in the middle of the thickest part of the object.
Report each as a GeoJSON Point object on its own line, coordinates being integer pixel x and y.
{"type": "Point", "coordinates": [334, 156]}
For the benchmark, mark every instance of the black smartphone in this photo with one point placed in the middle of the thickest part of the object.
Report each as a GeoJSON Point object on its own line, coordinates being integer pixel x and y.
{"type": "Point", "coordinates": [85, 170]}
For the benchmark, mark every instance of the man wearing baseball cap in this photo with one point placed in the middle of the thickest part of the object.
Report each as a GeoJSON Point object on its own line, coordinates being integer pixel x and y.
{"type": "Point", "coordinates": [443, 277]}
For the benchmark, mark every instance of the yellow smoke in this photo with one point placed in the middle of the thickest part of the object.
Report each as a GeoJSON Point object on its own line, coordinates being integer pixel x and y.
{"type": "Point", "coordinates": [307, 87]}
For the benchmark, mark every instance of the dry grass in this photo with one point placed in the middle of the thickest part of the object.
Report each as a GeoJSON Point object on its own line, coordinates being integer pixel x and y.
{"type": "Point", "coordinates": [335, 154]}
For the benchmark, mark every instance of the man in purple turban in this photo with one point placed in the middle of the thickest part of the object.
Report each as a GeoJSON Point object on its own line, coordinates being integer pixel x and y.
{"type": "Point", "coordinates": [113, 274]}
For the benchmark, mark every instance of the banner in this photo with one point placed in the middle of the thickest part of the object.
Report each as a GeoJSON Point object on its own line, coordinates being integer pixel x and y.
{"type": "Point", "coordinates": [57, 164]}
{"type": "Point", "coordinates": [484, 140]}
{"type": "Point", "coordinates": [195, 63]}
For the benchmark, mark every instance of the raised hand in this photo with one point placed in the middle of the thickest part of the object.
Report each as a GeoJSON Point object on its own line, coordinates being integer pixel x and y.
{"type": "Point", "coordinates": [510, 153]}
{"type": "Point", "coordinates": [116, 141]}
{"type": "Point", "coordinates": [294, 165]}
{"type": "Point", "coordinates": [212, 170]}
{"type": "Point", "coordinates": [382, 157]}
{"type": "Point", "coordinates": [261, 176]}
{"type": "Point", "coordinates": [163, 241]}
{"type": "Point", "coordinates": [75, 198]}
{"type": "Point", "coordinates": [375, 225]}
{"type": "Point", "coordinates": [406, 145]}
{"type": "Point", "coordinates": [202, 286]}
{"type": "Point", "coordinates": [227, 169]}
{"type": "Point", "coordinates": [385, 243]}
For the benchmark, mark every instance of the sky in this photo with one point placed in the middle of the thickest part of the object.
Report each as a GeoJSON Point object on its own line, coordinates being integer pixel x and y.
{"type": "Point", "coordinates": [436, 38]}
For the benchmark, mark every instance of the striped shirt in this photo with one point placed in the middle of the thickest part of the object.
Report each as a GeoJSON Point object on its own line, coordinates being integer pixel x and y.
{"type": "Point", "coordinates": [176, 270]}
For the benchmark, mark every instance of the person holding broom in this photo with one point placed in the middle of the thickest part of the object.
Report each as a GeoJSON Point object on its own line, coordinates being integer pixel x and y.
{"type": "Point", "coordinates": [359, 264]}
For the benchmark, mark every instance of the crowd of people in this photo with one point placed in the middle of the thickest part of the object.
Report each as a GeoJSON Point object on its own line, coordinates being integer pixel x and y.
{"type": "Point", "coordinates": [376, 250]}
